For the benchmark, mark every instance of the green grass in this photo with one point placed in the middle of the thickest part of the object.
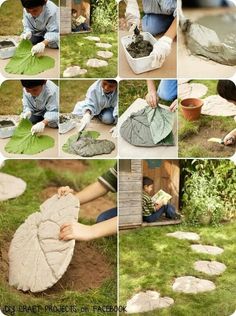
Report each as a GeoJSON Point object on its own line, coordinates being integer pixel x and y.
{"type": "Point", "coordinates": [76, 50]}
{"type": "Point", "coordinates": [11, 14]}
{"type": "Point", "coordinates": [14, 212]}
{"type": "Point", "coordinates": [72, 91]}
{"type": "Point", "coordinates": [149, 260]}
{"type": "Point", "coordinates": [130, 90]}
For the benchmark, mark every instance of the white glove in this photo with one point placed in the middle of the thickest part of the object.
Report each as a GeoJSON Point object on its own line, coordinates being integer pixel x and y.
{"type": "Point", "coordinates": [38, 128]}
{"type": "Point", "coordinates": [161, 49]}
{"type": "Point", "coordinates": [114, 131]}
{"type": "Point", "coordinates": [132, 15]}
{"type": "Point", "coordinates": [26, 35]}
{"type": "Point", "coordinates": [25, 115]}
{"type": "Point", "coordinates": [38, 48]}
{"type": "Point", "coordinates": [86, 119]}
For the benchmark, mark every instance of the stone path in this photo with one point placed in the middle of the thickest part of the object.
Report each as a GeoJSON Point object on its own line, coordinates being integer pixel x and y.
{"type": "Point", "coordinates": [191, 90]}
{"type": "Point", "coordinates": [10, 187]}
{"type": "Point", "coordinates": [210, 250]}
{"type": "Point", "coordinates": [93, 38]}
{"type": "Point", "coordinates": [147, 301]}
{"type": "Point", "coordinates": [104, 54]}
{"type": "Point", "coordinates": [210, 267]}
{"type": "Point", "coordinates": [184, 235]}
{"type": "Point", "coordinates": [190, 284]}
{"type": "Point", "coordinates": [74, 71]}
{"type": "Point", "coordinates": [96, 63]}
{"type": "Point", "coordinates": [103, 45]}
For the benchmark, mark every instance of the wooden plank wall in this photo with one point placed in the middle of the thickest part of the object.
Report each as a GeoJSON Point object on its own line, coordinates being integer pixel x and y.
{"type": "Point", "coordinates": [130, 195]}
{"type": "Point", "coordinates": [65, 16]}
{"type": "Point", "coordinates": [166, 178]}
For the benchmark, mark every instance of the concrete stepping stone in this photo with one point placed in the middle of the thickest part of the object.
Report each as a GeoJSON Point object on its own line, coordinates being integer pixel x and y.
{"type": "Point", "coordinates": [103, 45]}
{"type": "Point", "coordinates": [215, 105]}
{"type": "Point", "coordinates": [192, 90]}
{"type": "Point", "coordinates": [10, 187]}
{"type": "Point", "coordinates": [104, 54]}
{"type": "Point", "coordinates": [74, 71]}
{"type": "Point", "coordinates": [96, 63]}
{"type": "Point", "coordinates": [210, 250]}
{"type": "Point", "coordinates": [190, 284]}
{"type": "Point", "coordinates": [37, 258]}
{"type": "Point", "coordinates": [210, 267]}
{"type": "Point", "coordinates": [184, 235]}
{"type": "Point", "coordinates": [147, 301]}
{"type": "Point", "coordinates": [93, 38]}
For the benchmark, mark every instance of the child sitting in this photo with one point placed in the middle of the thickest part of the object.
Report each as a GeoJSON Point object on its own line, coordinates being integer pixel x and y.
{"type": "Point", "coordinates": [152, 212]}
{"type": "Point", "coordinates": [40, 104]}
{"type": "Point", "coordinates": [78, 23]}
{"type": "Point", "coordinates": [40, 22]}
{"type": "Point", "coordinates": [100, 101]}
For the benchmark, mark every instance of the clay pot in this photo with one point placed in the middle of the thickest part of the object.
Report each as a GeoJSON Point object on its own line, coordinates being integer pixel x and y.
{"type": "Point", "coordinates": [191, 108]}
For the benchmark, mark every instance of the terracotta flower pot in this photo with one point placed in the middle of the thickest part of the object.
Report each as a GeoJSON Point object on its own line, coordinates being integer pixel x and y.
{"type": "Point", "coordinates": [191, 108]}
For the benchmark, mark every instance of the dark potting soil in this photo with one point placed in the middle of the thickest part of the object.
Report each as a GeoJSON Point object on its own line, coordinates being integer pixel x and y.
{"type": "Point", "coordinates": [63, 119]}
{"type": "Point", "coordinates": [139, 47]}
{"type": "Point", "coordinates": [6, 123]}
{"type": "Point", "coordinates": [6, 44]}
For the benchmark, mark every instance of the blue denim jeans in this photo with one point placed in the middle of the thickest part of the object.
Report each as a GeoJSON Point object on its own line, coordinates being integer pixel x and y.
{"type": "Point", "coordinates": [107, 215]}
{"type": "Point", "coordinates": [156, 23]}
{"type": "Point", "coordinates": [167, 90]}
{"type": "Point", "coordinates": [168, 210]}
{"type": "Point", "coordinates": [34, 119]}
{"type": "Point", "coordinates": [106, 116]}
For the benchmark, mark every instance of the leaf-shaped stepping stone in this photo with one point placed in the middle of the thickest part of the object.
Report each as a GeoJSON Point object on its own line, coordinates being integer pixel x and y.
{"type": "Point", "coordinates": [104, 54]}
{"type": "Point", "coordinates": [210, 250]}
{"type": "Point", "coordinates": [103, 45]}
{"type": "Point", "coordinates": [184, 235]}
{"type": "Point", "coordinates": [93, 38]}
{"type": "Point", "coordinates": [74, 71]}
{"type": "Point", "coordinates": [96, 63]}
{"type": "Point", "coordinates": [147, 301]}
{"type": "Point", "coordinates": [210, 267]}
{"type": "Point", "coordinates": [10, 187]}
{"type": "Point", "coordinates": [190, 284]}
{"type": "Point", "coordinates": [37, 258]}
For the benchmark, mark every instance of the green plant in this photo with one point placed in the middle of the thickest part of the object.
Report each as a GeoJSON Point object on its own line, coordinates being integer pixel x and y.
{"type": "Point", "coordinates": [104, 16]}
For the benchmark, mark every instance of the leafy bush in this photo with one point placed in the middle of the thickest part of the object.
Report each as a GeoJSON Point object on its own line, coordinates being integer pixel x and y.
{"type": "Point", "coordinates": [208, 191]}
{"type": "Point", "coordinates": [104, 16]}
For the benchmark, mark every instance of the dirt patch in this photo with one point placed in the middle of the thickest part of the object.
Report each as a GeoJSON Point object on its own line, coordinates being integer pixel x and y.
{"type": "Point", "coordinates": [64, 164]}
{"type": "Point", "coordinates": [4, 263]}
{"type": "Point", "coordinates": [48, 192]}
{"type": "Point", "coordinates": [94, 208]}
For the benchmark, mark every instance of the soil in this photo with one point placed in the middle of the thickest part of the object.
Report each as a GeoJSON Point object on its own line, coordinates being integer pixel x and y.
{"type": "Point", "coordinates": [6, 123]}
{"type": "Point", "coordinates": [65, 164]}
{"type": "Point", "coordinates": [6, 44]}
{"type": "Point", "coordinates": [63, 119]}
{"type": "Point", "coordinates": [139, 47]}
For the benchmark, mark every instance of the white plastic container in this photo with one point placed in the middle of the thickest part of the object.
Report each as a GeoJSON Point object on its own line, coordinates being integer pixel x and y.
{"type": "Point", "coordinates": [8, 52]}
{"type": "Point", "coordinates": [6, 132]}
{"type": "Point", "coordinates": [142, 64]}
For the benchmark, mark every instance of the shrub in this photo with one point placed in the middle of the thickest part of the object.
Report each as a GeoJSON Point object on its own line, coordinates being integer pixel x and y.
{"type": "Point", "coordinates": [104, 16]}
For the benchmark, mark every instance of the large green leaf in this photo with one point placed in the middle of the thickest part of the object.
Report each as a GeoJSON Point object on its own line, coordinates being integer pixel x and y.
{"type": "Point", "coordinates": [24, 63]}
{"type": "Point", "coordinates": [23, 142]}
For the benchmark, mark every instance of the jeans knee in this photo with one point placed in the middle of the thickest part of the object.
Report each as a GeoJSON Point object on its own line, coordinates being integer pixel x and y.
{"type": "Point", "coordinates": [107, 118]}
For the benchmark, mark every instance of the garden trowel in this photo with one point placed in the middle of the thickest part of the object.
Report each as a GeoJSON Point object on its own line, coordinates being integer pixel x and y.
{"type": "Point", "coordinates": [231, 140]}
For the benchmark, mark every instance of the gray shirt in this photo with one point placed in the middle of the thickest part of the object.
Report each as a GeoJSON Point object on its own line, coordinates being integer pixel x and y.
{"type": "Point", "coordinates": [167, 7]}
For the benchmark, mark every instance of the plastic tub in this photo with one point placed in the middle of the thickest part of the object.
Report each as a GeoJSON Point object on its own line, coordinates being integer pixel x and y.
{"type": "Point", "coordinates": [7, 131]}
{"type": "Point", "coordinates": [143, 64]}
{"type": "Point", "coordinates": [7, 51]}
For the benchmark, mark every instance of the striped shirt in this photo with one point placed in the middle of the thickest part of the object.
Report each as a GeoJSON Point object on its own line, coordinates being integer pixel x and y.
{"type": "Point", "coordinates": [109, 179]}
{"type": "Point", "coordinates": [167, 7]}
{"type": "Point", "coordinates": [147, 205]}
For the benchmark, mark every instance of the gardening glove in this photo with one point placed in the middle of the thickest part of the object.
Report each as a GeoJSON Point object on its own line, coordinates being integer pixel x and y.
{"type": "Point", "coordinates": [25, 115]}
{"type": "Point", "coordinates": [26, 36]}
{"type": "Point", "coordinates": [114, 131]}
{"type": "Point", "coordinates": [38, 48]}
{"type": "Point", "coordinates": [161, 49]}
{"type": "Point", "coordinates": [85, 121]}
{"type": "Point", "coordinates": [132, 15]}
{"type": "Point", "coordinates": [38, 128]}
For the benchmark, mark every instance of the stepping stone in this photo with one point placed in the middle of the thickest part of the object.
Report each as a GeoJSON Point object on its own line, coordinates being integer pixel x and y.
{"type": "Point", "coordinates": [93, 38]}
{"type": "Point", "coordinates": [37, 258]}
{"type": "Point", "coordinates": [234, 314]}
{"type": "Point", "coordinates": [210, 267]}
{"type": "Point", "coordinates": [191, 90]}
{"type": "Point", "coordinates": [184, 235]}
{"type": "Point", "coordinates": [210, 250]}
{"type": "Point", "coordinates": [74, 71]}
{"type": "Point", "coordinates": [10, 187]}
{"type": "Point", "coordinates": [104, 54]}
{"type": "Point", "coordinates": [96, 63]}
{"type": "Point", "coordinates": [147, 301]}
{"type": "Point", "coordinates": [103, 45]}
{"type": "Point", "coordinates": [215, 105]}
{"type": "Point", "coordinates": [190, 284]}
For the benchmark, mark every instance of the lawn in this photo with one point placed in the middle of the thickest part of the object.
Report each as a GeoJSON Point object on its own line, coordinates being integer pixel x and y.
{"type": "Point", "coordinates": [193, 136]}
{"type": "Point", "coordinates": [72, 91]}
{"type": "Point", "coordinates": [76, 50]}
{"type": "Point", "coordinates": [11, 13]}
{"type": "Point", "coordinates": [149, 260]}
{"type": "Point", "coordinates": [14, 212]}
{"type": "Point", "coordinates": [130, 90]}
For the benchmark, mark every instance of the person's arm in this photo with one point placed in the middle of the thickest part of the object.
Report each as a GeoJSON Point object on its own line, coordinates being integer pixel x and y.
{"type": "Point", "coordinates": [83, 232]}
{"type": "Point", "coordinates": [172, 30]}
{"type": "Point", "coordinates": [152, 97]}
{"type": "Point", "coordinates": [230, 138]}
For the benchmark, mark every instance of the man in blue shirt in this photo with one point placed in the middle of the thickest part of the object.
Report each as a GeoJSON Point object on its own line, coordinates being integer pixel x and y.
{"type": "Point", "coordinates": [40, 104]}
{"type": "Point", "coordinates": [40, 22]}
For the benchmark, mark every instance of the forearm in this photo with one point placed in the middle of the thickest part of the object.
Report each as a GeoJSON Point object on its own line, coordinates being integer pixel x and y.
{"type": "Point", "coordinates": [151, 86]}
{"type": "Point", "coordinates": [172, 30]}
{"type": "Point", "coordinates": [104, 229]}
{"type": "Point", "coordinates": [91, 192]}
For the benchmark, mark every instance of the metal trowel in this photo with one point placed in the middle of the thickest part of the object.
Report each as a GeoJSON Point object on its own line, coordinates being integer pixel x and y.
{"type": "Point", "coordinates": [231, 140]}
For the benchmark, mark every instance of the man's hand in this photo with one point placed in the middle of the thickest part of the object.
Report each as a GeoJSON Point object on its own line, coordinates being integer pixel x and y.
{"type": "Point", "coordinates": [132, 15]}
{"type": "Point", "coordinates": [229, 139]}
{"type": "Point", "coordinates": [161, 50]}
{"type": "Point", "coordinates": [173, 106]}
{"type": "Point", "coordinates": [114, 131]}
{"type": "Point", "coordinates": [63, 191]}
{"type": "Point", "coordinates": [152, 99]}
{"type": "Point", "coordinates": [26, 36]}
{"type": "Point", "coordinates": [25, 115]}
{"type": "Point", "coordinates": [85, 121]}
{"type": "Point", "coordinates": [76, 231]}
{"type": "Point", "coordinates": [38, 128]}
{"type": "Point", "coordinates": [38, 48]}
